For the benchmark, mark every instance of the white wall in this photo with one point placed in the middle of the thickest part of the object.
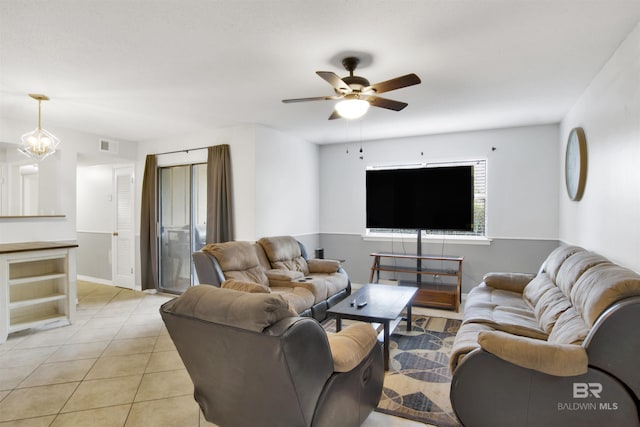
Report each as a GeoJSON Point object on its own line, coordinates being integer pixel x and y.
{"type": "Point", "coordinates": [241, 140]}
{"type": "Point", "coordinates": [522, 176]}
{"type": "Point", "coordinates": [607, 219]}
{"type": "Point", "coordinates": [57, 183]}
{"type": "Point", "coordinates": [287, 184]}
{"type": "Point", "coordinates": [275, 177]}
{"type": "Point", "coordinates": [95, 199]}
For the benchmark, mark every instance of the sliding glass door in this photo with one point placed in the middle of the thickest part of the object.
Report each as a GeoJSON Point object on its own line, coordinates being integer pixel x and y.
{"type": "Point", "coordinates": [182, 210]}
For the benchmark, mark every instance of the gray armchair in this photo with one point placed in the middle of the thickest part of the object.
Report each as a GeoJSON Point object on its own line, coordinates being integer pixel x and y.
{"type": "Point", "coordinates": [255, 362]}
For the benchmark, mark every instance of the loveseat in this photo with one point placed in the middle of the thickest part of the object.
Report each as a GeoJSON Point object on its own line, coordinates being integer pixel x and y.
{"type": "Point", "coordinates": [559, 348]}
{"type": "Point", "coordinates": [254, 362]}
{"type": "Point", "coordinates": [275, 265]}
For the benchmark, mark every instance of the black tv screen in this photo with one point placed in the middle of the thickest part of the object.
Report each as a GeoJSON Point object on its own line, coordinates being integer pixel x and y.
{"type": "Point", "coordinates": [438, 198]}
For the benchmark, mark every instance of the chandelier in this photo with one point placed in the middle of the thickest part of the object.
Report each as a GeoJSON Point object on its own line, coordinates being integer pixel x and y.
{"type": "Point", "coordinates": [39, 143]}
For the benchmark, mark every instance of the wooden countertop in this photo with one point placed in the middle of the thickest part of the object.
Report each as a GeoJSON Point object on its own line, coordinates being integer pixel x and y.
{"type": "Point", "coordinates": [7, 248]}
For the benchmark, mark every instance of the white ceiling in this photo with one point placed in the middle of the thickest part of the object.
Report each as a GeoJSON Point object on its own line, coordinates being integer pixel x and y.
{"type": "Point", "coordinates": [138, 70]}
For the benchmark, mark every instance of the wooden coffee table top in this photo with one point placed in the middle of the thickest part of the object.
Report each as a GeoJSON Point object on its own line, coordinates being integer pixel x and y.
{"type": "Point", "coordinates": [384, 303]}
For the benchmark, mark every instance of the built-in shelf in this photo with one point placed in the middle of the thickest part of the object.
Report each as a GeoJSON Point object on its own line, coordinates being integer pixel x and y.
{"type": "Point", "coordinates": [43, 278]}
{"type": "Point", "coordinates": [37, 285]}
{"type": "Point", "coordinates": [27, 322]}
{"type": "Point", "coordinates": [35, 301]}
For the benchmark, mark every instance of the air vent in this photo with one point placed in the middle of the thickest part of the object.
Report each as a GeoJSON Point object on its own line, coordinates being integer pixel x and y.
{"type": "Point", "coordinates": [106, 146]}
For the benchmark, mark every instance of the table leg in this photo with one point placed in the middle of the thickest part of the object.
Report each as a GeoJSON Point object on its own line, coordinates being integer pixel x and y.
{"type": "Point", "coordinates": [386, 345]}
{"type": "Point", "coordinates": [338, 323]}
{"type": "Point", "coordinates": [374, 266]}
{"type": "Point", "coordinates": [409, 318]}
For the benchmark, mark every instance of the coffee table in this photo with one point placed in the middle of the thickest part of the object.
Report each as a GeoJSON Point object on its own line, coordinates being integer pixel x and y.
{"type": "Point", "coordinates": [384, 305]}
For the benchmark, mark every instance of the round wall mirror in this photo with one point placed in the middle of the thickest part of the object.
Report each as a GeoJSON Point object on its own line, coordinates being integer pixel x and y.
{"type": "Point", "coordinates": [575, 164]}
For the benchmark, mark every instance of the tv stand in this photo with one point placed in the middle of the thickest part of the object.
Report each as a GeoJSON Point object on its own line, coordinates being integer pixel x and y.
{"type": "Point", "coordinates": [443, 288]}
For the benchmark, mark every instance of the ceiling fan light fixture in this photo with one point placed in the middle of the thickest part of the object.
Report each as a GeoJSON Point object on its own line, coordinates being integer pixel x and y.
{"type": "Point", "coordinates": [352, 108]}
{"type": "Point", "coordinates": [39, 143]}
{"type": "Point", "coordinates": [357, 94]}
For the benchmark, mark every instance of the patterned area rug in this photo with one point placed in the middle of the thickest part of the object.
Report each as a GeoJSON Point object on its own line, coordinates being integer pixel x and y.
{"type": "Point", "coordinates": [418, 381]}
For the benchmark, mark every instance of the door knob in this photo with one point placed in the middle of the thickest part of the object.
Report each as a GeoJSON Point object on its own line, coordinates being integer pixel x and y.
{"type": "Point", "coordinates": [115, 233]}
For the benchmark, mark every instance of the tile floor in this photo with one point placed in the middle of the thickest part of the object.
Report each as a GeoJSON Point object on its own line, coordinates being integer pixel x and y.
{"type": "Point", "coordinates": [115, 366]}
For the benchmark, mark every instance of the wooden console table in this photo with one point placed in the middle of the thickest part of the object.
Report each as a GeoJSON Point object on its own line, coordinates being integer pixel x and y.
{"type": "Point", "coordinates": [438, 287]}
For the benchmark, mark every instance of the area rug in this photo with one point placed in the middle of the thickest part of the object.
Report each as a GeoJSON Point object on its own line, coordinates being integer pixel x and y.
{"type": "Point", "coordinates": [418, 381]}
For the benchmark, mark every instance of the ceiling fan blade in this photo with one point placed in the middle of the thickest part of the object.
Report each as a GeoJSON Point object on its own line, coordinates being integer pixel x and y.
{"type": "Point", "coordinates": [335, 115]}
{"type": "Point", "coordinates": [335, 81]}
{"type": "Point", "coordinates": [317, 98]}
{"type": "Point", "coordinates": [393, 84]}
{"type": "Point", "coordinates": [389, 104]}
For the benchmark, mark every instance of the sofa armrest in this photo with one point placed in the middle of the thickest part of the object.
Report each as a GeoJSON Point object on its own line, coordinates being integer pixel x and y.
{"type": "Point", "coordinates": [563, 360]}
{"type": "Point", "coordinates": [327, 266]}
{"type": "Point", "coordinates": [514, 282]}
{"type": "Point", "coordinates": [351, 345]}
{"type": "Point", "coordinates": [207, 269]}
{"type": "Point", "coordinates": [279, 277]}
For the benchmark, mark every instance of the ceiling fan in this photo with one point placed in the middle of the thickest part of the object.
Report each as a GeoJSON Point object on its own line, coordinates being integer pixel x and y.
{"type": "Point", "coordinates": [357, 94]}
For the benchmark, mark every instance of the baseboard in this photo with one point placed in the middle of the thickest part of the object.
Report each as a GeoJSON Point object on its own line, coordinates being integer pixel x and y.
{"type": "Point", "coordinates": [95, 280]}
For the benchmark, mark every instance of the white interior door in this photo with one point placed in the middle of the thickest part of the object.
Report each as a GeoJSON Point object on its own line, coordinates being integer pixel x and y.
{"type": "Point", "coordinates": [123, 259]}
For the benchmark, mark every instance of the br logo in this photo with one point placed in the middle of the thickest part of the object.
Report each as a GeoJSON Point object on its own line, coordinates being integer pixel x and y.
{"type": "Point", "coordinates": [584, 390]}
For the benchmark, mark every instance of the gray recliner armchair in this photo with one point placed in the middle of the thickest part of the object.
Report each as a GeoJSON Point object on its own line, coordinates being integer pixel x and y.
{"type": "Point", "coordinates": [253, 361]}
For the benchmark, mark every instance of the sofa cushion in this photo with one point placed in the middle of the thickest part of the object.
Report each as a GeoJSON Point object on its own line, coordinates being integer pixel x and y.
{"type": "Point", "coordinates": [513, 282]}
{"type": "Point", "coordinates": [334, 282]}
{"type": "Point", "coordinates": [299, 299]}
{"type": "Point", "coordinates": [549, 307]}
{"type": "Point", "coordinates": [233, 255]}
{"type": "Point", "coordinates": [284, 253]}
{"type": "Point", "coordinates": [238, 260]}
{"type": "Point", "coordinates": [536, 288]}
{"type": "Point", "coordinates": [251, 275]}
{"type": "Point", "coordinates": [244, 310]}
{"type": "Point", "coordinates": [574, 267]}
{"type": "Point", "coordinates": [570, 328]}
{"type": "Point", "coordinates": [601, 286]}
{"type": "Point", "coordinates": [351, 345]}
{"type": "Point", "coordinates": [504, 318]}
{"type": "Point", "coordinates": [318, 286]}
{"type": "Point", "coordinates": [483, 294]}
{"type": "Point", "coordinates": [556, 258]}
{"type": "Point", "coordinates": [251, 287]}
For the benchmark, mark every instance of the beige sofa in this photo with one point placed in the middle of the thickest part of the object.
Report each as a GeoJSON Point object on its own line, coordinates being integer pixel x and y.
{"type": "Point", "coordinates": [557, 348]}
{"type": "Point", "coordinates": [275, 265]}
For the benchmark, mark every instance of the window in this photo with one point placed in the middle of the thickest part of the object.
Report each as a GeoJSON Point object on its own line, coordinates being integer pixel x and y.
{"type": "Point", "coordinates": [479, 203]}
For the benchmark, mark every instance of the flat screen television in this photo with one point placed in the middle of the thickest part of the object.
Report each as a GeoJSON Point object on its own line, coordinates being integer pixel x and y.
{"type": "Point", "coordinates": [438, 198]}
